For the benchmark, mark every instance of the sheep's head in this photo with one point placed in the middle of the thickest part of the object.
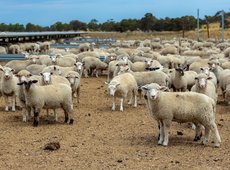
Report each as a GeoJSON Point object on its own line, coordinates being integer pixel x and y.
{"type": "Point", "coordinates": [27, 83]}
{"type": "Point", "coordinates": [205, 70]}
{"type": "Point", "coordinates": [151, 90]}
{"type": "Point", "coordinates": [148, 62]}
{"type": "Point", "coordinates": [72, 77]}
{"type": "Point", "coordinates": [112, 87]}
{"type": "Point", "coordinates": [124, 69]}
{"type": "Point", "coordinates": [53, 59]}
{"type": "Point", "coordinates": [23, 75]}
{"type": "Point", "coordinates": [7, 72]}
{"type": "Point", "coordinates": [46, 77]}
{"type": "Point", "coordinates": [213, 64]}
{"type": "Point", "coordinates": [79, 66]}
{"type": "Point", "coordinates": [201, 80]}
{"type": "Point", "coordinates": [180, 71]}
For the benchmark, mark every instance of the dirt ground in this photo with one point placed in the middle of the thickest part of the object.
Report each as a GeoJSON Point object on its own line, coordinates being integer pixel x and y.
{"type": "Point", "coordinates": [102, 139]}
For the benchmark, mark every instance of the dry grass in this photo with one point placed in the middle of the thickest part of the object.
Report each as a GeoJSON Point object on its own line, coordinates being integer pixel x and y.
{"type": "Point", "coordinates": [139, 35]}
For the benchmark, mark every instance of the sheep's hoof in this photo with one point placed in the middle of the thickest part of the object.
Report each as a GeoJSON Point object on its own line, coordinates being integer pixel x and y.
{"type": "Point", "coordinates": [198, 137]}
{"type": "Point", "coordinates": [71, 121]}
{"type": "Point", "coordinates": [217, 145]}
{"type": "Point", "coordinates": [35, 123]}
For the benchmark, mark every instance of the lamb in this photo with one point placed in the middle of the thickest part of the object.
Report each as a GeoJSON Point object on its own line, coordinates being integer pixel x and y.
{"type": "Point", "coordinates": [91, 63]}
{"type": "Point", "coordinates": [48, 97]}
{"type": "Point", "coordinates": [181, 107]}
{"type": "Point", "coordinates": [9, 86]}
{"type": "Point", "coordinates": [204, 86]}
{"type": "Point", "coordinates": [121, 86]}
{"type": "Point", "coordinates": [75, 79]}
{"type": "Point", "coordinates": [23, 75]}
{"type": "Point", "coordinates": [35, 69]}
{"type": "Point", "coordinates": [183, 80]}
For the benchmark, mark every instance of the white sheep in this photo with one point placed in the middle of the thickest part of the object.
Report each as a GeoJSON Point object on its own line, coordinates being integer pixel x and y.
{"type": "Point", "coordinates": [206, 70]}
{"type": "Point", "coordinates": [19, 65]}
{"type": "Point", "coordinates": [9, 86]}
{"type": "Point", "coordinates": [23, 75]}
{"type": "Point", "coordinates": [48, 97]}
{"type": "Point", "coordinates": [3, 50]}
{"type": "Point", "coordinates": [121, 86]}
{"type": "Point", "coordinates": [92, 64]}
{"type": "Point", "coordinates": [14, 49]}
{"type": "Point", "coordinates": [35, 69]}
{"type": "Point", "coordinates": [183, 80]}
{"type": "Point", "coordinates": [204, 86]}
{"type": "Point", "coordinates": [181, 107]}
{"type": "Point", "coordinates": [75, 79]}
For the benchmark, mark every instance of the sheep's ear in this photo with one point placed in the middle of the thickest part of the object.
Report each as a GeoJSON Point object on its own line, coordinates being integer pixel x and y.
{"type": "Point", "coordinates": [209, 78]}
{"type": "Point", "coordinates": [1, 69]}
{"type": "Point", "coordinates": [106, 83]}
{"type": "Point", "coordinates": [12, 70]}
{"type": "Point", "coordinates": [156, 68]}
{"type": "Point", "coordinates": [164, 88]}
{"type": "Point", "coordinates": [41, 74]}
{"type": "Point", "coordinates": [29, 75]}
{"type": "Point", "coordinates": [34, 81]}
{"type": "Point", "coordinates": [51, 73]}
{"type": "Point", "coordinates": [55, 68]}
{"type": "Point", "coordinates": [118, 84]}
{"type": "Point", "coordinates": [75, 64]}
{"type": "Point", "coordinates": [20, 83]}
{"type": "Point", "coordinates": [196, 78]}
{"type": "Point", "coordinates": [202, 69]}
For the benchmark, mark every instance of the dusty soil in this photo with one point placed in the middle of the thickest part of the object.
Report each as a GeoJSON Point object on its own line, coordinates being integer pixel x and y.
{"type": "Point", "coordinates": [102, 139]}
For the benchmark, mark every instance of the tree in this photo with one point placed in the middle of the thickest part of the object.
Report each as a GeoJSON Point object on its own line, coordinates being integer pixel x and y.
{"type": "Point", "coordinates": [148, 22]}
{"type": "Point", "coordinates": [78, 25]}
{"type": "Point", "coordinates": [92, 25]}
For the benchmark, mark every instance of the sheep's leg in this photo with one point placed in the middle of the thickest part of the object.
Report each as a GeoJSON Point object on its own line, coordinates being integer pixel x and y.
{"type": "Point", "coordinates": [121, 104]}
{"type": "Point", "coordinates": [131, 99]}
{"type": "Point", "coordinates": [13, 103]}
{"type": "Point", "coordinates": [36, 117]}
{"type": "Point", "coordinates": [86, 73]}
{"type": "Point", "coordinates": [215, 131]}
{"type": "Point", "coordinates": [78, 95]}
{"type": "Point", "coordinates": [47, 115]}
{"type": "Point", "coordinates": [6, 103]}
{"type": "Point", "coordinates": [55, 115]}
{"type": "Point", "coordinates": [114, 104]}
{"type": "Point", "coordinates": [206, 135]}
{"type": "Point", "coordinates": [166, 125]}
{"type": "Point", "coordinates": [198, 132]}
{"type": "Point", "coordinates": [135, 98]}
{"type": "Point", "coordinates": [24, 113]}
{"type": "Point", "coordinates": [161, 131]}
{"type": "Point", "coordinates": [96, 73]}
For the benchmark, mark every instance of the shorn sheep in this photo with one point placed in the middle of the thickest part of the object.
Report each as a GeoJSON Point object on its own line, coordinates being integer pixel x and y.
{"type": "Point", "coordinates": [181, 107]}
{"type": "Point", "coordinates": [120, 86]}
{"type": "Point", "coordinates": [48, 97]}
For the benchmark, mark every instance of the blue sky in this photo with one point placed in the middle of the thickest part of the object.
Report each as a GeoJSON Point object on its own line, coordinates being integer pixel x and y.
{"type": "Point", "coordinates": [47, 12]}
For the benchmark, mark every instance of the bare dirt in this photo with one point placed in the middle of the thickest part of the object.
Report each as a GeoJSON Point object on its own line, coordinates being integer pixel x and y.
{"type": "Point", "coordinates": [102, 139]}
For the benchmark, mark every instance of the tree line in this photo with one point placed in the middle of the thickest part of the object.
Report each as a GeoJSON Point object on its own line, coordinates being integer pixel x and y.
{"type": "Point", "coordinates": [147, 23]}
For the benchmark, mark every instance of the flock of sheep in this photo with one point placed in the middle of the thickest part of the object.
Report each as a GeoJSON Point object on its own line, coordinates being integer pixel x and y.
{"type": "Point", "coordinates": [177, 79]}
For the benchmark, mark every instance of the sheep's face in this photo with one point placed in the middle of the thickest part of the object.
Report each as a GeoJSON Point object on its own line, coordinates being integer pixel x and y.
{"type": "Point", "coordinates": [202, 82]}
{"type": "Point", "coordinates": [205, 70]}
{"type": "Point", "coordinates": [27, 83]}
{"type": "Point", "coordinates": [79, 66]}
{"type": "Point", "coordinates": [7, 72]}
{"type": "Point", "coordinates": [53, 58]}
{"type": "Point", "coordinates": [180, 71]}
{"type": "Point", "coordinates": [72, 78]}
{"type": "Point", "coordinates": [112, 89]}
{"type": "Point", "coordinates": [148, 62]}
{"type": "Point", "coordinates": [46, 77]}
{"type": "Point", "coordinates": [124, 69]}
{"type": "Point", "coordinates": [213, 64]}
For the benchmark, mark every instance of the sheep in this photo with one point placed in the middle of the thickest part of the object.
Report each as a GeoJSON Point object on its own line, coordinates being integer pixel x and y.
{"type": "Point", "coordinates": [9, 86]}
{"type": "Point", "coordinates": [18, 65]}
{"type": "Point", "coordinates": [183, 80]}
{"type": "Point", "coordinates": [3, 50]}
{"type": "Point", "coordinates": [44, 47]}
{"type": "Point", "coordinates": [91, 63]}
{"type": "Point", "coordinates": [181, 107]}
{"type": "Point", "coordinates": [169, 50]}
{"type": "Point", "coordinates": [75, 79]}
{"type": "Point", "coordinates": [61, 71]}
{"type": "Point", "coordinates": [14, 49]}
{"type": "Point", "coordinates": [62, 61]}
{"type": "Point", "coordinates": [35, 69]}
{"type": "Point", "coordinates": [227, 52]}
{"type": "Point", "coordinates": [22, 75]}
{"type": "Point", "coordinates": [226, 65]}
{"type": "Point", "coordinates": [143, 66]}
{"type": "Point", "coordinates": [48, 78]}
{"type": "Point", "coordinates": [225, 84]}
{"type": "Point", "coordinates": [84, 47]}
{"type": "Point", "coordinates": [206, 70]}
{"type": "Point", "coordinates": [48, 97]}
{"type": "Point", "coordinates": [204, 86]}
{"type": "Point", "coordinates": [195, 66]}
{"type": "Point", "coordinates": [120, 86]}
{"type": "Point", "coordinates": [214, 66]}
